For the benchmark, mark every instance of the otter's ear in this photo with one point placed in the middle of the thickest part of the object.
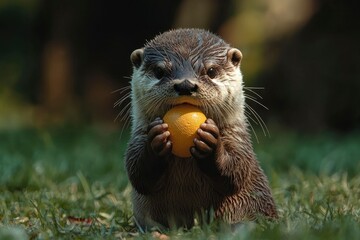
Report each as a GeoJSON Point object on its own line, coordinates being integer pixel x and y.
{"type": "Point", "coordinates": [136, 57]}
{"type": "Point", "coordinates": [234, 55]}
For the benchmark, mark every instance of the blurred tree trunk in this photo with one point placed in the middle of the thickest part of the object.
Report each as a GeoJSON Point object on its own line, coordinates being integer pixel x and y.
{"type": "Point", "coordinates": [57, 80]}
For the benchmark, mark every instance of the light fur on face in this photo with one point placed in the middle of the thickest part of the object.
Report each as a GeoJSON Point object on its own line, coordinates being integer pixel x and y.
{"type": "Point", "coordinates": [221, 97]}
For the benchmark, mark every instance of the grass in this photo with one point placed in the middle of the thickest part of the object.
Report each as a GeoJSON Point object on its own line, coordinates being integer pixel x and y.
{"type": "Point", "coordinates": [70, 183]}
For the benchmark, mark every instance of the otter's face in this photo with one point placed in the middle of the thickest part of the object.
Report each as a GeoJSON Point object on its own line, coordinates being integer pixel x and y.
{"type": "Point", "coordinates": [187, 66]}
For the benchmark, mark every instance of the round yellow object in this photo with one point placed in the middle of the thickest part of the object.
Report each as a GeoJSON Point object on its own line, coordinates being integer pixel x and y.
{"type": "Point", "coordinates": [183, 121]}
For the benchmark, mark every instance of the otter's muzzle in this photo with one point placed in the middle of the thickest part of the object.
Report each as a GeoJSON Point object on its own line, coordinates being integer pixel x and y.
{"type": "Point", "coordinates": [185, 87]}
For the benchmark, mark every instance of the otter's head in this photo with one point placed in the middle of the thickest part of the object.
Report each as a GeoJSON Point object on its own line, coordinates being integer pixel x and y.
{"type": "Point", "coordinates": [187, 66]}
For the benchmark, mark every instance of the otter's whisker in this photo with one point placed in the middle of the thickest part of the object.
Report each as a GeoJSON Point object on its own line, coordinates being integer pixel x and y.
{"type": "Point", "coordinates": [251, 126]}
{"type": "Point", "coordinates": [256, 101]}
{"type": "Point", "coordinates": [122, 89]}
{"type": "Point", "coordinates": [248, 115]}
{"type": "Point", "coordinates": [254, 88]}
{"type": "Point", "coordinates": [124, 110]}
{"type": "Point", "coordinates": [126, 123]}
{"type": "Point", "coordinates": [122, 99]}
{"type": "Point", "coordinates": [259, 119]}
{"type": "Point", "coordinates": [250, 89]}
{"type": "Point", "coordinates": [126, 116]}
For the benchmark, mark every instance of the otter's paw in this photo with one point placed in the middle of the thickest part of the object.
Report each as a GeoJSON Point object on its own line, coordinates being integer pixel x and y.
{"type": "Point", "coordinates": [207, 142]}
{"type": "Point", "coordinates": [158, 138]}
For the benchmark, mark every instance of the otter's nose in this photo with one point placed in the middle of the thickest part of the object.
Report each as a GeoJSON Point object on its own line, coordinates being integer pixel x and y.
{"type": "Point", "coordinates": [185, 87]}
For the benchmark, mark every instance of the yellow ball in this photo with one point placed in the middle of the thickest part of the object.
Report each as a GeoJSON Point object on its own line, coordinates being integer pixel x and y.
{"type": "Point", "coordinates": [183, 121]}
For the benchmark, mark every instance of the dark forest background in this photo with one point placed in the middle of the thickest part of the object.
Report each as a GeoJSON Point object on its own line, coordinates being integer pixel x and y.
{"type": "Point", "coordinates": [61, 61]}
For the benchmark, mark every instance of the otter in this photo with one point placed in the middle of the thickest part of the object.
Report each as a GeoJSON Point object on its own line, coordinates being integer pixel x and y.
{"type": "Point", "coordinates": [222, 178]}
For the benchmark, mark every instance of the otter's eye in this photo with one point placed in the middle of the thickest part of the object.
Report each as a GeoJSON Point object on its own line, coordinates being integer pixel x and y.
{"type": "Point", "coordinates": [211, 72]}
{"type": "Point", "coordinates": [159, 72]}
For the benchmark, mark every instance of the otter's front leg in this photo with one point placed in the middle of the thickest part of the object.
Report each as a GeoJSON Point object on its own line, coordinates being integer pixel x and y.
{"type": "Point", "coordinates": [158, 143]}
{"type": "Point", "coordinates": [209, 153]}
{"type": "Point", "coordinates": [146, 156]}
{"type": "Point", "coordinates": [206, 145]}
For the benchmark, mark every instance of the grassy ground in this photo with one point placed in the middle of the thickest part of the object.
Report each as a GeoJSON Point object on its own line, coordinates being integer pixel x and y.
{"type": "Point", "coordinates": [69, 183]}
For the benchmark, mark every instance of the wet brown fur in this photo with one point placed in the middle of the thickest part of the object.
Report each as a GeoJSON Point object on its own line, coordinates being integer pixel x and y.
{"type": "Point", "coordinates": [170, 191]}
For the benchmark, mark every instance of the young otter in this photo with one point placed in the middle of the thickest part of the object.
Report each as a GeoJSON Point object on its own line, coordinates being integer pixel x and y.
{"type": "Point", "coordinates": [222, 177]}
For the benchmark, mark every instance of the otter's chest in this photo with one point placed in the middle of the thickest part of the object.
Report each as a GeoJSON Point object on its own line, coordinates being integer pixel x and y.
{"type": "Point", "coordinates": [184, 181]}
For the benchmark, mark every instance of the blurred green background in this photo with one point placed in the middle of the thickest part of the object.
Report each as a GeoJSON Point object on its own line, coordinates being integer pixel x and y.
{"type": "Point", "coordinates": [60, 61]}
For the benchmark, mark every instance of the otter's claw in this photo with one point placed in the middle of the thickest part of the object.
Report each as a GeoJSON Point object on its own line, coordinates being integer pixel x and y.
{"type": "Point", "coordinates": [158, 138]}
{"type": "Point", "coordinates": [206, 143]}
